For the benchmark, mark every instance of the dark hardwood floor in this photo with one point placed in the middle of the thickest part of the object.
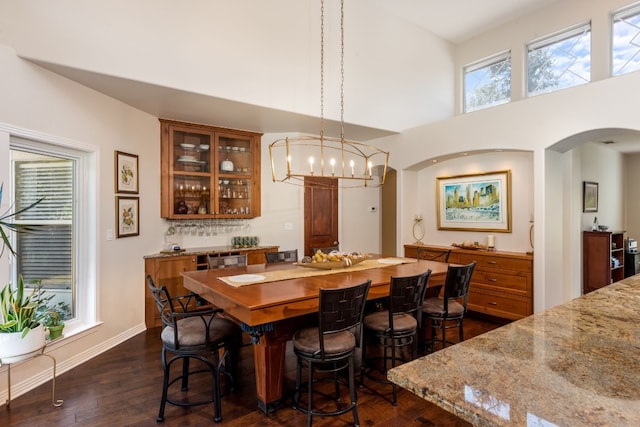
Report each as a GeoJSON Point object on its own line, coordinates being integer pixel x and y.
{"type": "Point", "coordinates": [122, 387]}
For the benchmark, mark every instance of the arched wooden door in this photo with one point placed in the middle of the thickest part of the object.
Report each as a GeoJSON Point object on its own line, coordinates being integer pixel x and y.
{"type": "Point", "coordinates": [320, 213]}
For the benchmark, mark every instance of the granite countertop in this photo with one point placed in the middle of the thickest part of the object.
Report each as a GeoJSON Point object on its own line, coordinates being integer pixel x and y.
{"type": "Point", "coordinates": [576, 364]}
{"type": "Point", "coordinates": [208, 250]}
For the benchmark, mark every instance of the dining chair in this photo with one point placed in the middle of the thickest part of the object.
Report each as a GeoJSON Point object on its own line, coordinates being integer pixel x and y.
{"type": "Point", "coordinates": [282, 256]}
{"type": "Point", "coordinates": [329, 348]}
{"type": "Point", "coordinates": [396, 329]}
{"type": "Point", "coordinates": [448, 311]}
{"type": "Point", "coordinates": [326, 250]}
{"type": "Point", "coordinates": [227, 261]}
{"type": "Point", "coordinates": [433, 254]}
{"type": "Point", "coordinates": [194, 332]}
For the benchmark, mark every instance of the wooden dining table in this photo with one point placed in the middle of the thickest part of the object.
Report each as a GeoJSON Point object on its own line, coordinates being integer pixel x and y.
{"type": "Point", "coordinates": [271, 312]}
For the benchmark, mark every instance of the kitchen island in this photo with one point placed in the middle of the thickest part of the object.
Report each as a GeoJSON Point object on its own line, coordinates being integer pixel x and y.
{"type": "Point", "coordinates": [576, 364]}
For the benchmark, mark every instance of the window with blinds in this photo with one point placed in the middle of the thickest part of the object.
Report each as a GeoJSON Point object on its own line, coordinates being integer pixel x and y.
{"type": "Point", "coordinates": [46, 254]}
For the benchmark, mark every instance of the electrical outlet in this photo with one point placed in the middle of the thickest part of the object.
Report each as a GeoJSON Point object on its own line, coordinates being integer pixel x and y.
{"type": "Point", "coordinates": [288, 226]}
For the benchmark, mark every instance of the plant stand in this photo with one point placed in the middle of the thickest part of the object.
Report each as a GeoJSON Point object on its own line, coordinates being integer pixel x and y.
{"type": "Point", "coordinates": [54, 402]}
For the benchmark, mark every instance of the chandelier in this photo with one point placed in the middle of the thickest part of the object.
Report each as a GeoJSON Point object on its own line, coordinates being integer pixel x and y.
{"type": "Point", "coordinates": [353, 164]}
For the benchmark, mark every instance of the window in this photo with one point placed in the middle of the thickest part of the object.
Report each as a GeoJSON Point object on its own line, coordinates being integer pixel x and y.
{"type": "Point", "coordinates": [45, 255]}
{"type": "Point", "coordinates": [559, 61]}
{"type": "Point", "coordinates": [61, 254]}
{"type": "Point", "coordinates": [625, 41]}
{"type": "Point", "coordinates": [487, 83]}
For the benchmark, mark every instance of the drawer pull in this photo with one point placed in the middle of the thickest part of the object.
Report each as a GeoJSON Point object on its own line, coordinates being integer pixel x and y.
{"type": "Point", "coordinates": [492, 280]}
{"type": "Point", "coordinates": [492, 303]}
{"type": "Point", "coordinates": [492, 262]}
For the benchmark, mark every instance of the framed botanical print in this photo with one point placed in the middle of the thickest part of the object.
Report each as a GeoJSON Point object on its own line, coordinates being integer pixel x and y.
{"type": "Point", "coordinates": [126, 173]}
{"type": "Point", "coordinates": [128, 216]}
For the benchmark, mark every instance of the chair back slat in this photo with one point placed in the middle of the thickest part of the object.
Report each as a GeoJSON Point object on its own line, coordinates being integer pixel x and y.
{"type": "Point", "coordinates": [342, 309]}
{"type": "Point", "coordinates": [227, 261]}
{"type": "Point", "coordinates": [282, 256]}
{"type": "Point", "coordinates": [326, 250]}
{"type": "Point", "coordinates": [406, 293]}
{"type": "Point", "coordinates": [457, 283]}
{"type": "Point", "coordinates": [163, 301]}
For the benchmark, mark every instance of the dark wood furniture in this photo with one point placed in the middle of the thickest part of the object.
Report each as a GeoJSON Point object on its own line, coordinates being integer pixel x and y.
{"type": "Point", "coordinates": [278, 309]}
{"type": "Point", "coordinates": [502, 282]}
{"type": "Point", "coordinates": [208, 172]}
{"type": "Point", "coordinates": [600, 249]}
{"type": "Point", "coordinates": [165, 270]}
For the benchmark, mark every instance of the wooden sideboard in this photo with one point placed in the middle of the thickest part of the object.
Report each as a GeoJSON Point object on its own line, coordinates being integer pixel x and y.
{"type": "Point", "coordinates": [165, 270]}
{"type": "Point", "coordinates": [502, 282]}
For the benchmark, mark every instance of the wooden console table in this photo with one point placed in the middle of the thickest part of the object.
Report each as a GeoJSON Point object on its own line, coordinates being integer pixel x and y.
{"type": "Point", "coordinates": [502, 283]}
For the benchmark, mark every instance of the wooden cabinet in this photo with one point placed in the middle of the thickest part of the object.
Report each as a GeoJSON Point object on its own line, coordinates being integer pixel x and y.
{"type": "Point", "coordinates": [165, 271]}
{"type": "Point", "coordinates": [502, 282]}
{"type": "Point", "coordinates": [208, 172]}
{"type": "Point", "coordinates": [602, 259]}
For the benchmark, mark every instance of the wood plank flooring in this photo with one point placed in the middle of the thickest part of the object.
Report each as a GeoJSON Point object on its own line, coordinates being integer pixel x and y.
{"type": "Point", "coordinates": [122, 387]}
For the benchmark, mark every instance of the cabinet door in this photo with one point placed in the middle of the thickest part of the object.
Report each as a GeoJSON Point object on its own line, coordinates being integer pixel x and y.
{"type": "Point", "coordinates": [238, 176]}
{"type": "Point", "coordinates": [186, 171]}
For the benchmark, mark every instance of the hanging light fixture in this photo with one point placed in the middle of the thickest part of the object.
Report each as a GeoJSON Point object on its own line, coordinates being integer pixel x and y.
{"type": "Point", "coordinates": [354, 164]}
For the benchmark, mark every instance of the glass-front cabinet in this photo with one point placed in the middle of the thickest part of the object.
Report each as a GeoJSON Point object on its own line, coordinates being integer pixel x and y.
{"type": "Point", "coordinates": [209, 172]}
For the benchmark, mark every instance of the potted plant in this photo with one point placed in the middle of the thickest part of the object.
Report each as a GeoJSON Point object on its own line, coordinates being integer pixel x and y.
{"type": "Point", "coordinates": [54, 316]}
{"type": "Point", "coordinates": [21, 332]}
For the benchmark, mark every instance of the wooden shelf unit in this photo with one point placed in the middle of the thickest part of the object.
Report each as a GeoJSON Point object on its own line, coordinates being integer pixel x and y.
{"type": "Point", "coordinates": [502, 282]}
{"type": "Point", "coordinates": [602, 259]}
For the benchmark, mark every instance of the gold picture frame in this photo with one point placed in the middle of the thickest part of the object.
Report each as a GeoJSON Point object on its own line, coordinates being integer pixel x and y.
{"type": "Point", "coordinates": [128, 216]}
{"type": "Point", "coordinates": [475, 202]}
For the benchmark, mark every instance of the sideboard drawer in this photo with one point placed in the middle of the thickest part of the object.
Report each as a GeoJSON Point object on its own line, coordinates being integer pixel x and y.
{"type": "Point", "coordinates": [519, 283]}
{"type": "Point", "coordinates": [504, 306]}
{"type": "Point", "coordinates": [486, 260]}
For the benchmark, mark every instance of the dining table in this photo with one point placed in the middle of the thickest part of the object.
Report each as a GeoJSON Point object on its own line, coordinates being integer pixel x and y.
{"type": "Point", "coordinates": [271, 301]}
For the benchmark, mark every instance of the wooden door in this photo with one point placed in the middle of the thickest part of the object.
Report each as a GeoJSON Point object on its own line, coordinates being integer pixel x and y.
{"type": "Point", "coordinates": [320, 213]}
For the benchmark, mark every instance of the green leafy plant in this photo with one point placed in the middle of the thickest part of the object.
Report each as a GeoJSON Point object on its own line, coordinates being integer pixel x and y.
{"type": "Point", "coordinates": [19, 310]}
{"type": "Point", "coordinates": [7, 224]}
{"type": "Point", "coordinates": [54, 315]}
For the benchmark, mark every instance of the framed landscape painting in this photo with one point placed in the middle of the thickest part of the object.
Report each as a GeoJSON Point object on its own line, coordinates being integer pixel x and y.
{"type": "Point", "coordinates": [475, 202]}
{"type": "Point", "coordinates": [589, 196]}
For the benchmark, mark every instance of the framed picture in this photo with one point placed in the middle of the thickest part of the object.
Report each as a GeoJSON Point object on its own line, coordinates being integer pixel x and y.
{"type": "Point", "coordinates": [475, 202]}
{"type": "Point", "coordinates": [128, 216]}
{"type": "Point", "coordinates": [589, 196]}
{"type": "Point", "coordinates": [126, 172]}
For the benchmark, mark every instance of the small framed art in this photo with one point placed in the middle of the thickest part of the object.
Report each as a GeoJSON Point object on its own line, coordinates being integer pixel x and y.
{"type": "Point", "coordinates": [589, 196]}
{"type": "Point", "coordinates": [126, 172]}
{"type": "Point", "coordinates": [128, 216]}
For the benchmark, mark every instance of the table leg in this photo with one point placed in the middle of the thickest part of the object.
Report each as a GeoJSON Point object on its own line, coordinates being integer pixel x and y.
{"type": "Point", "coordinates": [269, 355]}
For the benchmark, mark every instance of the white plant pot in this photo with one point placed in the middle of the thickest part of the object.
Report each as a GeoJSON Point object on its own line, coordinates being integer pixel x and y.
{"type": "Point", "coordinates": [14, 348]}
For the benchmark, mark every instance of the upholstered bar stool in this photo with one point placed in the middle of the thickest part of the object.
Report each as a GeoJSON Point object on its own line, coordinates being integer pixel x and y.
{"type": "Point", "coordinates": [227, 261]}
{"type": "Point", "coordinates": [448, 311]}
{"type": "Point", "coordinates": [330, 347]}
{"type": "Point", "coordinates": [195, 332]}
{"type": "Point", "coordinates": [396, 329]}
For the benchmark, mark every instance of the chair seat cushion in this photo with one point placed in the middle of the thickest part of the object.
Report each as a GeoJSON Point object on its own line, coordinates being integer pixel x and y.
{"type": "Point", "coordinates": [191, 331]}
{"type": "Point", "coordinates": [379, 321]}
{"type": "Point", "coordinates": [307, 341]}
{"type": "Point", "coordinates": [435, 307]}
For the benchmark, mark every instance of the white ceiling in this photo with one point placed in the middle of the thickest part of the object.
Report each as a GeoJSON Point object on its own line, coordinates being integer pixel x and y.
{"type": "Point", "coordinates": [453, 20]}
{"type": "Point", "coordinates": [460, 20]}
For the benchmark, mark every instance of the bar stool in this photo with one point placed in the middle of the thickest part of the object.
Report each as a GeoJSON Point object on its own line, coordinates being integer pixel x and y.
{"type": "Point", "coordinates": [195, 332]}
{"type": "Point", "coordinates": [330, 347]}
{"type": "Point", "coordinates": [396, 328]}
{"type": "Point", "coordinates": [282, 256]}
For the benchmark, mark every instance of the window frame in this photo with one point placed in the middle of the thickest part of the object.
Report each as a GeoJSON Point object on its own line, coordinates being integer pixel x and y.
{"type": "Point", "coordinates": [618, 15]}
{"type": "Point", "coordinates": [478, 65]}
{"type": "Point", "coordinates": [85, 242]}
{"type": "Point", "coordinates": [552, 38]}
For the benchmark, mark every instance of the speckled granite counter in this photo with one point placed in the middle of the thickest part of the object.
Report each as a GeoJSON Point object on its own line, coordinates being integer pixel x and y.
{"type": "Point", "coordinates": [211, 250]}
{"type": "Point", "coordinates": [577, 364]}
